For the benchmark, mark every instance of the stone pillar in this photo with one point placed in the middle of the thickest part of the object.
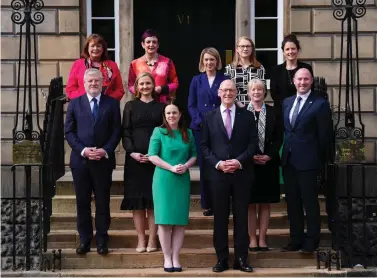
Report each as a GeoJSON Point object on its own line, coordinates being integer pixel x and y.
{"type": "Point", "coordinates": [126, 37]}
{"type": "Point", "coordinates": [126, 53]}
{"type": "Point", "coordinates": [243, 18]}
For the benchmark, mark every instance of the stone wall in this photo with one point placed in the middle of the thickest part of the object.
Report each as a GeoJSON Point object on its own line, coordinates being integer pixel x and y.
{"type": "Point", "coordinates": [58, 45]}
{"type": "Point", "coordinates": [320, 36]}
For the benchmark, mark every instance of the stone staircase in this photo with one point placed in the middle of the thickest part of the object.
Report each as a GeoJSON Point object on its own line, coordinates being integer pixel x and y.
{"type": "Point", "coordinates": [197, 255]}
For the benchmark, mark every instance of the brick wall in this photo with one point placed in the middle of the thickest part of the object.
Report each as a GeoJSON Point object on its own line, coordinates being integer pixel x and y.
{"type": "Point", "coordinates": [320, 36]}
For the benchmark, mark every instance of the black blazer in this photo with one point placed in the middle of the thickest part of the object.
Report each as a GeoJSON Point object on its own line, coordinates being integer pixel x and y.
{"type": "Point", "coordinates": [217, 146]}
{"type": "Point", "coordinates": [274, 134]}
{"type": "Point", "coordinates": [281, 86]}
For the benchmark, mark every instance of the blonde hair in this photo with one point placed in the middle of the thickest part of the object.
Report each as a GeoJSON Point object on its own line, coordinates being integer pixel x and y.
{"type": "Point", "coordinates": [211, 51]}
{"type": "Point", "coordinates": [141, 75]}
{"type": "Point", "coordinates": [253, 59]}
{"type": "Point", "coordinates": [256, 82]}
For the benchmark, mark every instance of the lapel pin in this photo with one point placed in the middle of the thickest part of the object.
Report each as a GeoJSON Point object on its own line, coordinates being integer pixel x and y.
{"type": "Point", "coordinates": [310, 102]}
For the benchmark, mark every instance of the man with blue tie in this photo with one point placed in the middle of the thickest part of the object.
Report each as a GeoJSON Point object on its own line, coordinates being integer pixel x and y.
{"type": "Point", "coordinates": [92, 129]}
{"type": "Point", "coordinates": [308, 129]}
{"type": "Point", "coordinates": [229, 142]}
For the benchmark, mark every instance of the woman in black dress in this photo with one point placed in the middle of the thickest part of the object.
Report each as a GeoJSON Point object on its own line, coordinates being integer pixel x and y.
{"type": "Point", "coordinates": [266, 187]}
{"type": "Point", "coordinates": [140, 117]}
{"type": "Point", "coordinates": [281, 85]}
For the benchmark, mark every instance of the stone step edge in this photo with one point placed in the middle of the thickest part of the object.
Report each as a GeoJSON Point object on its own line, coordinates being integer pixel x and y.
{"type": "Point", "coordinates": [202, 232]}
{"type": "Point", "coordinates": [194, 251]}
{"type": "Point", "coordinates": [187, 272]}
{"type": "Point", "coordinates": [194, 196]}
{"type": "Point", "coordinates": [192, 215]}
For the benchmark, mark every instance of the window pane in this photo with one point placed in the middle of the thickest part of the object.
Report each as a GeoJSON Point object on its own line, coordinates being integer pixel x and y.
{"type": "Point", "coordinates": [111, 54]}
{"type": "Point", "coordinates": [268, 59]}
{"type": "Point", "coordinates": [101, 8]}
{"type": "Point", "coordinates": [106, 29]}
{"type": "Point", "coordinates": [266, 8]}
{"type": "Point", "coordinates": [266, 33]}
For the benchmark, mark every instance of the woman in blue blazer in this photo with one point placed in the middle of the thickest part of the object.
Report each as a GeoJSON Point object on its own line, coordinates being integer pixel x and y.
{"type": "Point", "coordinates": [203, 97]}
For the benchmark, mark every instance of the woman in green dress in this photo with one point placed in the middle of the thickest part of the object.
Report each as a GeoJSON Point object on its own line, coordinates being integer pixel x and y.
{"type": "Point", "coordinates": [172, 149]}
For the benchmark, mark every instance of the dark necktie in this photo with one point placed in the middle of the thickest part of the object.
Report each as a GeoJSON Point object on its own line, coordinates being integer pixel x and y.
{"type": "Point", "coordinates": [228, 123]}
{"type": "Point", "coordinates": [296, 111]}
{"type": "Point", "coordinates": [95, 108]}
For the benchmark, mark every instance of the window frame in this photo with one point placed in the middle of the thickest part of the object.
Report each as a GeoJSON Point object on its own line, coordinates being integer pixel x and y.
{"type": "Point", "coordinates": [89, 19]}
{"type": "Point", "coordinates": [280, 27]}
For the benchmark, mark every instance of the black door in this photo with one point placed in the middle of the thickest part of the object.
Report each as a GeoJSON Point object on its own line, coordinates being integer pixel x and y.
{"type": "Point", "coordinates": [186, 27]}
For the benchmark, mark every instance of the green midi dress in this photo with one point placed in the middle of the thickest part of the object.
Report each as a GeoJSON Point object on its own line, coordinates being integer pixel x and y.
{"type": "Point", "coordinates": [171, 192]}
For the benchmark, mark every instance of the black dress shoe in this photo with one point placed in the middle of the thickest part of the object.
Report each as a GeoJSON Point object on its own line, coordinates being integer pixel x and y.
{"type": "Point", "coordinates": [264, 249]}
{"type": "Point", "coordinates": [102, 250]}
{"type": "Point", "coordinates": [290, 248]}
{"type": "Point", "coordinates": [82, 249]}
{"type": "Point", "coordinates": [241, 264]}
{"type": "Point", "coordinates": [220, 266]}
{"type": "Point", "coordinates": [208, 212]}
{"type": "Point", "coordinates": [177, 269]}
{"type": "Point", "coordinates": [308, 249]}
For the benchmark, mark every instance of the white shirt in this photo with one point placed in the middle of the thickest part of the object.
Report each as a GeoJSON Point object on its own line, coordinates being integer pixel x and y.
{"type": "Point", "coordinates": [91, 103]}
{"type": "Point", "coordinates": [232, 116]}
{"type": "Point", "coordinates": [210, 80]}
{"type": "Point", "coordinates": [232, 113]}
{"type": "Point", "coordinates": [303, 100]}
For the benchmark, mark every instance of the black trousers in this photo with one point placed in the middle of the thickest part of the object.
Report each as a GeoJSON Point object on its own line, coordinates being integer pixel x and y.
{"type": "Point", "coordinates": [95, 176]}
{"type": "Point", "coordinates": [301, 192]}
{"type": "Point", "coordinates": [221, 193]}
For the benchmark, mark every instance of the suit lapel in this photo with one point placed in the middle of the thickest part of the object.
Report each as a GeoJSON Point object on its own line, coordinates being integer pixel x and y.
{"type": "Point", "coordinates": [86, 108]}
{"type": "Point", "coordinates": [287, 110]}
{"type": "Point", "coordinates": [237, 121]}
{"type": "Point", "coordinates": [306, 106]}
{"type": "Point", "coordinates": [220, 122]}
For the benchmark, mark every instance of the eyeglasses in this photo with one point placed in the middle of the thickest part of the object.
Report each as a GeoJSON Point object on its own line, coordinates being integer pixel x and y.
{"type": "Point", "coordinates": [245, 46]}
{"type": "Point", "coordinates": [228, 90]}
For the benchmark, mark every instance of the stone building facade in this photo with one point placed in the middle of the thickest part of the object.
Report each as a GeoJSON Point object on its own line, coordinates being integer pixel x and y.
{"type": "Point", "coordinates": [62, 34]}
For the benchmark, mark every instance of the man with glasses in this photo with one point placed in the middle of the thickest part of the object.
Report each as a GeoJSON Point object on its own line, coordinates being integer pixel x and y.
{"type": "Point", "coordinates": [229, 140]}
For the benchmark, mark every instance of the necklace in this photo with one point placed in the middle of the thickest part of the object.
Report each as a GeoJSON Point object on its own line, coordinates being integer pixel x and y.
{"type": "Point", "coordinates": [152, 62]}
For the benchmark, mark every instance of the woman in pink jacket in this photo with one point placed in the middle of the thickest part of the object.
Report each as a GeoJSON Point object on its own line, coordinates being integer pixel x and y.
{"type": "Point", "coordinates": [95, 55]}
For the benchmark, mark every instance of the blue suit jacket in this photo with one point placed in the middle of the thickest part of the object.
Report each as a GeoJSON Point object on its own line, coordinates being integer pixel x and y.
{"type": "Point", "coordinates": [202, 98]}
{"type": "Point", "coordinates": [307, 142]}
{"type": "Point", "coordinates": [82, 131]}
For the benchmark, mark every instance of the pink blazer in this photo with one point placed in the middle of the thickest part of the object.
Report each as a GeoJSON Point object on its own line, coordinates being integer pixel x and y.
{"type": "Point", "coordinates": [75, 84]}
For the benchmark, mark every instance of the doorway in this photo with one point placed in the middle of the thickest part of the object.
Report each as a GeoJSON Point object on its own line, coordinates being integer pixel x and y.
{"type": "Point", "coordinates": [185, 28]}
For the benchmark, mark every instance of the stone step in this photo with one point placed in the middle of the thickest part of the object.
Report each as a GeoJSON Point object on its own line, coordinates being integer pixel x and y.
{"type": "Point", "coordinates": [193, 238]}
{"type": "Point", "coordinates": [306, 271]}
{"type": "Point", "coordinates": [124, 221]}
{"type": "Point", "coordinates": [190, 258]}
{"type": "Point", "coordinates": [67, 204]}
{"type": "Point", "coordinates": [64, 185]}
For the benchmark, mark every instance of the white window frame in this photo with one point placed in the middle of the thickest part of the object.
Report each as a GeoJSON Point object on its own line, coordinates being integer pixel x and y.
{"type": "Point", "coordinates": [280, 33]}
{"type": "Point", "coordinates": [89, 19]}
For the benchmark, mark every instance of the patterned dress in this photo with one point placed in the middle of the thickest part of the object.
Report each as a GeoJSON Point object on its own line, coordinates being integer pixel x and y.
{"type": "Point", "coordinates": [163, 72]}
{"type": "Point", "coordinates": [241, 76]}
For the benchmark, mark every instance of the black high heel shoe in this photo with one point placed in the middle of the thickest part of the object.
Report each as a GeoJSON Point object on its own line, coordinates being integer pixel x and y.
{"type": "Point", "coordinates": [169, 269]}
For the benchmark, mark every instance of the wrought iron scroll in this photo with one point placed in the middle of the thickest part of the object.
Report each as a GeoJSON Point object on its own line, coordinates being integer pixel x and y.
{"type": "Point", "coordinates": [348, 12]}
{"type": "Point", "coordinates": [27, 14]}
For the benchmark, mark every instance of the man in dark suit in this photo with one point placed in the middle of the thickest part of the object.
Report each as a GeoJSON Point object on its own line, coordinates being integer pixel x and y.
{"type": "Point", "coordinates": [229, 141]}
{"type": "Point", "coordinates": [307, 124]}
{"type": "Point", "coordinates": [92, 129]}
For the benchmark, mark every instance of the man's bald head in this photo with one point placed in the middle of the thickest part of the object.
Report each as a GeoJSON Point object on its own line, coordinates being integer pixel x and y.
{"type": "Point", "coordinates": [303, 81]}
{"type": "Point", "coordinates": [227, 92]}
